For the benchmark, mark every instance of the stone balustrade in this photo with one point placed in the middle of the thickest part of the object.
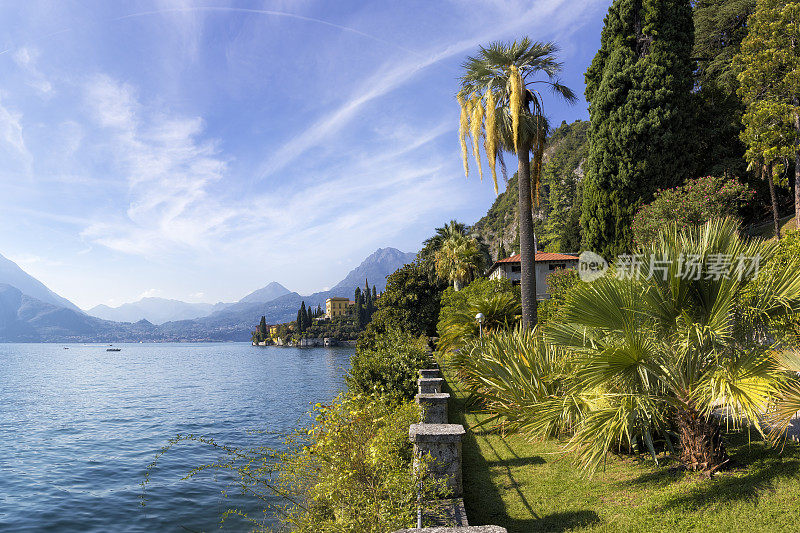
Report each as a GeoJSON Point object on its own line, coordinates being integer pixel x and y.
{"type": "Point", "coordinates": [430, 385]}
{"type": "Point", "coordinates": [440, 443]}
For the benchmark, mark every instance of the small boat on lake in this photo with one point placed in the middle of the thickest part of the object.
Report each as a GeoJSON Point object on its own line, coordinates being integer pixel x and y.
{"type": "Point", "coordinates": [113, 349]}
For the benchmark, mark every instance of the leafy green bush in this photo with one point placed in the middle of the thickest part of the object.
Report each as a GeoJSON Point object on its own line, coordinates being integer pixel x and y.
{"type": "Point", "coordinates": [560, 283]}
{"type": "Point", "coordinates": [354, 474]}
{"type": "Point", "coordinates": [516, 374]}
{"type": "Point", "coordinates": [409, 303]}
{"type": "Point", "coordinates": [497, 299]}
{"type": "Point", "coordinates": [692, 204]}
{"type": "Point", "coordinates": [388, 366]}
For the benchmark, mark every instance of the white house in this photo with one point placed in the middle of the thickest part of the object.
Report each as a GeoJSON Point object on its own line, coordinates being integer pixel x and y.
{"type": "Point", "coordinates": [510, 268]}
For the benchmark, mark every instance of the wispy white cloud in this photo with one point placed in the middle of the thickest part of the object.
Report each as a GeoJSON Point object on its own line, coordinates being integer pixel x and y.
{"type": "Point", "coordinates": [150, 293]}
{"type": "Point", "coordinates": [395, 73]}
{"type": "Point", "coordinates": [26, 59]}
{"type": "Point", "coordinates": [168, 169]}
{"type": "Point", "coordinates": [12, 142]}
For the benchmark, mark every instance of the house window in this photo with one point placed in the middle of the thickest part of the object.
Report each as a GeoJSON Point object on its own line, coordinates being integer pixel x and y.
{"type": "Point", "coordinates": [516, 268]}
{"type": "Point", "coordinates": [555, 266]}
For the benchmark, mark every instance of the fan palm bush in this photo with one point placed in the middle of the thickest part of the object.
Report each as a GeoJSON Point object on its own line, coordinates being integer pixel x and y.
{"type": "Point", "coordinates": [674, 342]}
{"type": "Point", "coordinates": [677, 336]}
{"type": "Point", "coordinates": [518, 378]}
{"type": "Point", "coordinates": [497, 300]}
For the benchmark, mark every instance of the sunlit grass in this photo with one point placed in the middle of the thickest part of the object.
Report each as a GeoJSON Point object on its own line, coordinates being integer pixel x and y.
{"type": "Point", "coordinates": [528, 487]}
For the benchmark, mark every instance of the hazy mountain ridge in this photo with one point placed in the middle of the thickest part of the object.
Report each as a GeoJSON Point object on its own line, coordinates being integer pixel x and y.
{"type": "Point", "coordinates": [266, 294]}
{"type": "Point", "coordinates": [11, 274]}
{"type": "Point", "coordinates": [155, 310]}
{"type": "Point", "coordinates": [27, 319]}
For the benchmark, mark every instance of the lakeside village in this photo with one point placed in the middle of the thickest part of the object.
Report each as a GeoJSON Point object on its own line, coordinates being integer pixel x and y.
{"type": "Point", "coordinates": [343, 319]}
{"type": "Point", "coordinates": [337, 325]}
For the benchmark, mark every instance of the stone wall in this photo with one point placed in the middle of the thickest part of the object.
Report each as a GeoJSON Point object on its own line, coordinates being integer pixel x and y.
{"type": "Point", "coordinates": [440, 442]}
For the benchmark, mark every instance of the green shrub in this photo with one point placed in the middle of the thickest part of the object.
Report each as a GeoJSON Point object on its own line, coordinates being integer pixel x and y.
{"type": "Point", "coordinates": [497, 299]}
{"type": "Point", "coordinates": [349, 472]}
{"type": "Point", "coordinates": [354, 474]}
{"type": "Point", "coordinates": [560, 283]}
{"type": "Point", "coordinates": [692, 204]}
{"type": "Point", "coordinates": [388, 366]}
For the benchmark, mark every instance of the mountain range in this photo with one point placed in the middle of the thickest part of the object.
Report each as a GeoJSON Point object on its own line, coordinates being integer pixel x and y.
{"type": "Point", "coordinates": [30, 312]}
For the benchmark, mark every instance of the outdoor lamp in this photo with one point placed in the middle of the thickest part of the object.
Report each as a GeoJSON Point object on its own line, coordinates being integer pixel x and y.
{"type": "Point", "coordinates": [479, 318]}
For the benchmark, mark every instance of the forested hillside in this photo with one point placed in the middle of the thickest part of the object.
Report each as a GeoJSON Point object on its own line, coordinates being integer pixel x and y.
{"type": "Point", "coordinates": [557, 218]}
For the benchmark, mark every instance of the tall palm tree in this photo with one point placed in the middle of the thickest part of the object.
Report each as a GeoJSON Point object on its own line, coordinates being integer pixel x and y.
{"type": "Point", "coordinates": [459, 260]}
{"type": "Point", "coordinates": [672, 350]}
{"type": "Point", "coordinates": [500, 103]}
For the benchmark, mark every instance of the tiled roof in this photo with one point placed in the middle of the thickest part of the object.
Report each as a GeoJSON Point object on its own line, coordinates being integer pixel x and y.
{"type": "Point", "coordinates": [541, 256]}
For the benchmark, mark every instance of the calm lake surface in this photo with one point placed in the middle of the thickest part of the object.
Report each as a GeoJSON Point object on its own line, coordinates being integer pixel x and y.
{"type": "Point", "coordinates": [79, 426]}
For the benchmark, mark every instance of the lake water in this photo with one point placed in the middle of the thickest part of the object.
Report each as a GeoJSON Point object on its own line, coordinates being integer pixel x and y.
{"type": "Point", "coordinates": [78, 428]}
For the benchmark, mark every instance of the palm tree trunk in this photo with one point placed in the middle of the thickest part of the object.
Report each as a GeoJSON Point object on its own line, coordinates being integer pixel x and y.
{"type": "Point", "coordinates": [526, 246]}
{"type": "Point", "coordinates": [796, 167]}
{"type": "Point", "coordinates": [700, 441]}
{"type": "Point", "coordinates": [767, 169]}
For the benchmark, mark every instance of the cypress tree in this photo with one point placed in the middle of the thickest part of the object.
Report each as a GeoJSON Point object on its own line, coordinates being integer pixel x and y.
{"type": "Point", "coordinates": [501, 252]}
{"type": "Point", "coordinates": [299, 322]}
{"type": "Point", "coordinates": [639, 92]}
{"type": "Point", "coordinates": [309, 318]}
{"type": "Point", "coordinates": [374, 296]}
{"type": "Point", "coordinates": [302, 317]}
{"type": "Point", "coordinates": [262, 328]}
{"type": "Point", "coordinates": [359, 308]}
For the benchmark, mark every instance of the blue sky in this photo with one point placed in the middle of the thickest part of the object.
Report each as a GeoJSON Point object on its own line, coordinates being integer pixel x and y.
{"type": "Point", "coordinates": [199, 150]}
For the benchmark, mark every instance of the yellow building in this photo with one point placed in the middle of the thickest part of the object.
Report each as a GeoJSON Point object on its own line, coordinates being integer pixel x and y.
{"type": "Point", "coordinates": [273, 330]}
{"type": "Point", "coordinates": [336, 306]}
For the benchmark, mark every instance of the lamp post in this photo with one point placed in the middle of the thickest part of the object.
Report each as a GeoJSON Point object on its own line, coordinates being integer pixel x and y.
{"type": "Point", "coordinates": [479, 318]}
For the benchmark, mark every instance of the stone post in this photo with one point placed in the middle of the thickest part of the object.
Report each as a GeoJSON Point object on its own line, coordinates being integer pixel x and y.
{"type": "Point", "coordinates": [441, 443]}
{"type": "Point", "coordinates": [430, 385]}
{"type": "Point", "coordinates": [429, 373]}
{"type": "Point", "coordinates": [434, 407]}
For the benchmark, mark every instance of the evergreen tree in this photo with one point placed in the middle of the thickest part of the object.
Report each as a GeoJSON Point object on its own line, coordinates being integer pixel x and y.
{"type": "Point", "coordinates": [639, 92]}
{"type": "Point", "coordinates": [302, 317]}
{"type": "Point", "coordinates": [359, 307]}
{"type": "Point", "coordinates": [720, 26]}
{"type": "Point", "coordinates": [501, 251]}
{"type": "Point", "coordinates": [368, 299]}
{"type": "Point", "coordinates": [309, 317]}
{"type": "Point", "coordinates": [769, 65]}
{"type": "Point", "coordinates": [262, 329]}
{"type": "Point", "coordinates": [300, 321]}
{"type": "Point", "coordinates": [374, 296]}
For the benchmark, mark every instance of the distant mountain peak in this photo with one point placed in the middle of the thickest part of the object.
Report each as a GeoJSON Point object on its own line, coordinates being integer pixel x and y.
{"type": "Point", "coordinates": [374, 269]}
{"type": "Point", "coordinates": [266, 294]}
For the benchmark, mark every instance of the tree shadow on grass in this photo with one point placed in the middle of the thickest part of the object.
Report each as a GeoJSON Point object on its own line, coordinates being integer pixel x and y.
{"type": "Point", "coordinates": [756, 467]}
{"type": "Point", "coordinates": [482, 499]}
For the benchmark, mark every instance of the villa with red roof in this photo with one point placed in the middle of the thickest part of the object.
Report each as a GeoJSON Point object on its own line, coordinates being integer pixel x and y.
{"type": "Point", "coordinates": [511, 268]}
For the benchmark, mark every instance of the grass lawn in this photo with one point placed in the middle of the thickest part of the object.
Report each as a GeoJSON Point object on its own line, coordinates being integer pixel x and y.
{"type": "Point", "coordinates": [528, 487]}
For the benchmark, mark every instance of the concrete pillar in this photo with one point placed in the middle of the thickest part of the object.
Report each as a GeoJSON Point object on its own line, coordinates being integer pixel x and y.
{"type": "Point", "coordinates": [441, 443]}
{"type": "Point", "coordinates": [434, 407]}
{"type": "Point", "coordinates": [429, 385]}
